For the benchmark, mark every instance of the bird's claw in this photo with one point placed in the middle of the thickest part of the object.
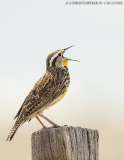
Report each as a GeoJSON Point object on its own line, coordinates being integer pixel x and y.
{"type": "Point", "coordinates": [55, 126]}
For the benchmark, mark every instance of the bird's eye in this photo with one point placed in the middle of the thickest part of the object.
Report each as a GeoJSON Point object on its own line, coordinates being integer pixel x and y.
{"type": "Point", "coordinates": [59, 54]}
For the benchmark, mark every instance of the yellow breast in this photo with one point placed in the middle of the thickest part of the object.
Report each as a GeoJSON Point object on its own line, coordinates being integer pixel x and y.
{"type": "Point", "coordinates": [58, 99]}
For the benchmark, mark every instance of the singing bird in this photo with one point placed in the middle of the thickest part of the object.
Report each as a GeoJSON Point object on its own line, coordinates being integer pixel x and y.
{"type": "Point", "coordinates": [47, 91]}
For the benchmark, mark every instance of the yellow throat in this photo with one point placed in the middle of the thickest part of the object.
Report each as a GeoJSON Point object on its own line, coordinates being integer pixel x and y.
{"type": "Point", "coordinates": [65, 63]}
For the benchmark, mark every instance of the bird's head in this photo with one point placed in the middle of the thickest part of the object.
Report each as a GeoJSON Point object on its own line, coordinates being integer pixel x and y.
{"type": "Point", "coordinates": [56, 59]}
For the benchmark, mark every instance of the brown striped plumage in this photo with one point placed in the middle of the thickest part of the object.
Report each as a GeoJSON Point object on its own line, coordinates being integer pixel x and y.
{"type": "Point", "coordinates": [48, 90]}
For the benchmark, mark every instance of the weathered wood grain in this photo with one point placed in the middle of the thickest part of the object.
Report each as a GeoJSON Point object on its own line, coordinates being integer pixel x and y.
{"type": "Point", "coordinates": [65, 143]}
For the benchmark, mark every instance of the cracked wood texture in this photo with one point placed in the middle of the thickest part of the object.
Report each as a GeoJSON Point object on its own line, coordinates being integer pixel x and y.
{"type": "Point", "coordinates": [65, 143]}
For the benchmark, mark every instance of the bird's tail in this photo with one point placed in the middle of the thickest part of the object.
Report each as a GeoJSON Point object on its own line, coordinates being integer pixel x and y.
{"type": "Point", "coordinates": [14, 129]}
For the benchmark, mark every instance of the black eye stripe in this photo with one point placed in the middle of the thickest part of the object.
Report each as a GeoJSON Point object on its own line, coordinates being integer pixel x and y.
{"type": "Point", "coordinates": [54, 61]}
{"type": "Point", "coordinates": [59, 54]}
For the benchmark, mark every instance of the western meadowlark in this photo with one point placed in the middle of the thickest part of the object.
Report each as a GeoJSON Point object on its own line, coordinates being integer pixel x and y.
{"type": "Point", "coordinates": [47, 91]}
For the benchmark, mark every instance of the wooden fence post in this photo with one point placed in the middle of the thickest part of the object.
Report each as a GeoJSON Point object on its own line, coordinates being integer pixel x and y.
{"type": "Point", "coordinates": [65, 143]}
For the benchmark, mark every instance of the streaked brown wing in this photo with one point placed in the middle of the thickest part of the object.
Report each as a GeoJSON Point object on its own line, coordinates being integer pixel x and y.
{"type": "Point", "coordinates": [48, 88]}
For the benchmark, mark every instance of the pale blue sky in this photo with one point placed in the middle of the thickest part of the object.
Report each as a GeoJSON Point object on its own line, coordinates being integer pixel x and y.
{"type": "Point", "coordinates": [29, 31]}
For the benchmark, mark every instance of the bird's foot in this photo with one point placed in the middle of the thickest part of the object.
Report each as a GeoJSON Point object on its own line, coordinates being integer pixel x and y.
{"type": "Point", "coordinates": [55, 126]}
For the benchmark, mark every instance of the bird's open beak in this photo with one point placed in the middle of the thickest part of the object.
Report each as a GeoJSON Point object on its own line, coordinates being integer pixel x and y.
{"type": "Point", "coordinates": [68, 59]}
{"type": "Point", "coordinates": [68, 48]}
